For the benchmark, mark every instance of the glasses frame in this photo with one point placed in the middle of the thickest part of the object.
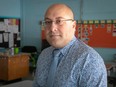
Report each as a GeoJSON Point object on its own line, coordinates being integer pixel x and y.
{"type": "Point", "coordinates": [58, 22]}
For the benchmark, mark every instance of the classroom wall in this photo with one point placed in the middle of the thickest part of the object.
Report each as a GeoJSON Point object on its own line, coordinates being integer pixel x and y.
{"type": "Point", "coordinates": [99, 9]}
{"type": "Point", "coordinates": [10, 8]}
{"type": "Point", "coordinates": [32, 11]}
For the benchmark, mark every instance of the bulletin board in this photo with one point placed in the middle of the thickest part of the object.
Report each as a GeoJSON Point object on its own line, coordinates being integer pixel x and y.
{"type": "Point", "coordinates": [9, 32]}
{"type": "Point", "coordinates": [100, 33]}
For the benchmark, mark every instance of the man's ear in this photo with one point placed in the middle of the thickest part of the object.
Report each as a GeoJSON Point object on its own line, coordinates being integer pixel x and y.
{"type": "Point", "coordinates": [74, 24]}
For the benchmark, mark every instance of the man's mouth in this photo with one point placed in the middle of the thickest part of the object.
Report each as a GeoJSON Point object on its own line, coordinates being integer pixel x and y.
{"type": "Point", "coordinates": [54, 36]}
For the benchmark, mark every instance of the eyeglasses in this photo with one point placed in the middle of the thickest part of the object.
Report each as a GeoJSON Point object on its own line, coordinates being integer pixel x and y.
{"type": "Point", "coordinates": [59, 22]}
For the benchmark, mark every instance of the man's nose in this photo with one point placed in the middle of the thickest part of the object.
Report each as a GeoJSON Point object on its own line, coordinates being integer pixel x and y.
{"type": "Point", "coordinates": [53, 26]}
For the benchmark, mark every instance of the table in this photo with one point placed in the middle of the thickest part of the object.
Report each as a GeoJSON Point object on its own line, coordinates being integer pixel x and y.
{"type": "Point", "coordinates": [14, 66]}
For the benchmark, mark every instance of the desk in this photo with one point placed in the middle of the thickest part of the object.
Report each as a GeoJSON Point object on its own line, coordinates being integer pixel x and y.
{"type": "Point", "coordinates": [14, 66]}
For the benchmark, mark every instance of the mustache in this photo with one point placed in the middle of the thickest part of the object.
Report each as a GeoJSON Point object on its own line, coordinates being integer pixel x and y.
{"type": "Point", "coordinates": [53, 33]}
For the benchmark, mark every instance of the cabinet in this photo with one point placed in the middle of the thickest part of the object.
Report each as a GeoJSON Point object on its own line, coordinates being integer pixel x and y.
{"type": "Point", "coordinates": [14, 67]}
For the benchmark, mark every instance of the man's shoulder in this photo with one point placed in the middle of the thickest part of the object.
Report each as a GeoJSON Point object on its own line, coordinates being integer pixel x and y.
{"type": "Point", "coordinates": [82, 49]}
{"type": "Point", "coordinates": [47, 50]}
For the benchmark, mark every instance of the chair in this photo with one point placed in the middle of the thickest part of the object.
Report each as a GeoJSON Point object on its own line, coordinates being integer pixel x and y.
{"type": "Point", "coordinates": [112, 81]}
{"type": "Point", "coordinates": [29, 49]}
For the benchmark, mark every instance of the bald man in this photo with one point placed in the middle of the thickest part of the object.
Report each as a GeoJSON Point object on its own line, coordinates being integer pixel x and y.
{"type": "Point", "coordinates": [78, 65]}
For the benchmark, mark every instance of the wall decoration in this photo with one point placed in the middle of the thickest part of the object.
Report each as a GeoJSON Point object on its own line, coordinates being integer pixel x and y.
{"type": "Point", "coordinates": [9, 32]}
{"type": "Point", "coordinates": [100, 33]}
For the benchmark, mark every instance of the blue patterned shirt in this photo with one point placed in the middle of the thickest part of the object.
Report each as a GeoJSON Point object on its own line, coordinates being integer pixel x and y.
{"type": "Point", "coordinates": [79, 66]}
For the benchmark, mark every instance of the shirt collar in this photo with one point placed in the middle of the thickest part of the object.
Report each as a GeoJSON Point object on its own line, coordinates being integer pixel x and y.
{"type": "Point", "coordinates": [65, 49]}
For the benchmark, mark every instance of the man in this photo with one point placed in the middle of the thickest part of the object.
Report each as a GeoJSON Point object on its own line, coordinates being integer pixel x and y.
{"type": "Point", "coordinates": [78, 64]}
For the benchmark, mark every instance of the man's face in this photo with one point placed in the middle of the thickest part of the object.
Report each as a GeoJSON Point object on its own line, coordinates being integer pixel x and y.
{"type": "Point", "coordinates": [59, 28]}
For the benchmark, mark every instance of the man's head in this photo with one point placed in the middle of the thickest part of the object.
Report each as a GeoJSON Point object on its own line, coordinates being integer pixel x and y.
{"type": "Point", "coordinates": [59, 25]}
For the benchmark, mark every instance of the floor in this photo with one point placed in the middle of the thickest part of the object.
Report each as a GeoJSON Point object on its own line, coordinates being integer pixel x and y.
{"type": "Point", "coordinates": [110, 85]}
{"type": "Point", "coordinates": [30, 77]}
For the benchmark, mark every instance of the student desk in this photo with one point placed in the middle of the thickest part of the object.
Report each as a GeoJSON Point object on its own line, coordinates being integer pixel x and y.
{"type": "Point", "coordinates": [14, 66]}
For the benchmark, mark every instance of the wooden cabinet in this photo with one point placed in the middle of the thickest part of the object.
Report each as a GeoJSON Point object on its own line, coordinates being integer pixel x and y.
{"type": "Point", "coordinates": [14, 67]}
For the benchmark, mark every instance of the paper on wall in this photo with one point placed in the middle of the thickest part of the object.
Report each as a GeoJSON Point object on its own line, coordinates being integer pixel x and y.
{"type": "Point", "coordinates": [1, 26]}
{"type": "Point", "coordinates": [5, 37]}
{"type": "Point", "coordinates": [1, 39]}
{"type": "Point", "coordinates": [11, 40]}
{"type": "Point", "coordinates": [13, 28]}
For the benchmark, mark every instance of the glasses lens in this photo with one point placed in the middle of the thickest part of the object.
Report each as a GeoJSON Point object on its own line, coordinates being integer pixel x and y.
{"type": "Point", "coordinates": [47, 23]}
{"type": "Point", "coordinates": [59, 22]}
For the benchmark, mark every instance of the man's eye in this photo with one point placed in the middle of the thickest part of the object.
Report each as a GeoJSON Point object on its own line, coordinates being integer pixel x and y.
{"type": "Point", "coordinates": [48, 22]}
{"type": "Point", "coordinates": [58, 21]}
